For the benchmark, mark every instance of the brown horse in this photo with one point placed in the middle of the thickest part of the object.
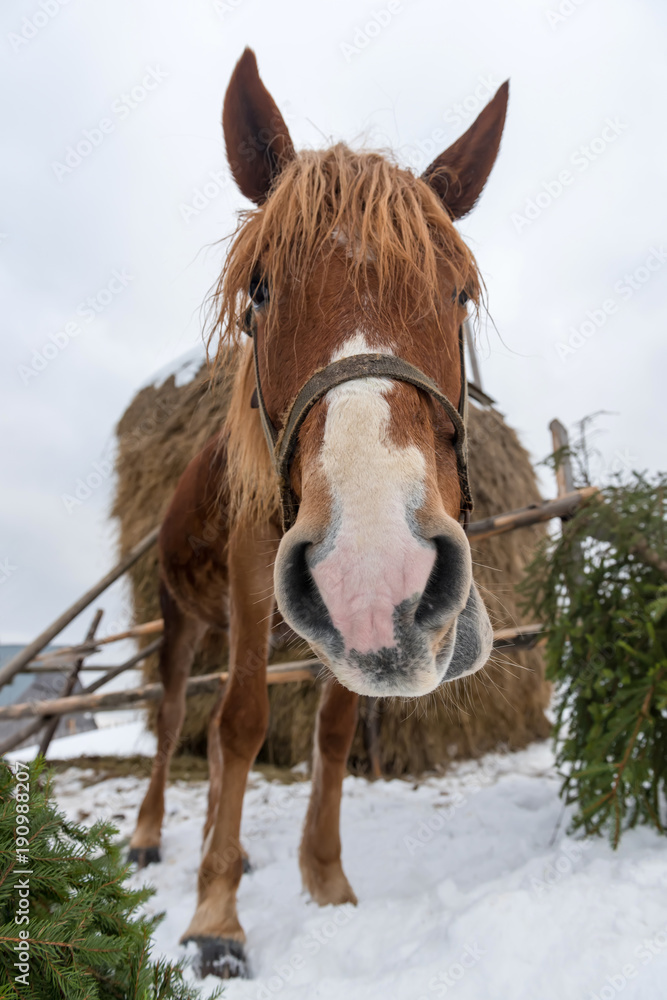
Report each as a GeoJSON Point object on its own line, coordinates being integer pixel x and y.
{"type": "Point", "coordinates": [351, 281]}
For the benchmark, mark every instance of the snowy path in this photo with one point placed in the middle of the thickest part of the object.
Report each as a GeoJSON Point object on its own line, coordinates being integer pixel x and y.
{"type": "Point", "coordinates": [460, 893]}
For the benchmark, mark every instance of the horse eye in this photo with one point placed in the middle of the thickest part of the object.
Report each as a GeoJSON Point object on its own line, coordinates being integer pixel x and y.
{"type": "Point", "coordinates": [462, 297]}
{"type": "Point", "coordinates": [259, 292]}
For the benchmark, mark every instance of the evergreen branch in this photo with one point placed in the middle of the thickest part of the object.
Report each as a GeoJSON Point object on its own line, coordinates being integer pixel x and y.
{"type": "Point", "coordinates": [87, 937]}
{"type": "Point", "coordinates": [643, 714]}
{"type": "Point", "coordinates": [642, 551]}
{"type": "Point", "coordinates": [601, 592]}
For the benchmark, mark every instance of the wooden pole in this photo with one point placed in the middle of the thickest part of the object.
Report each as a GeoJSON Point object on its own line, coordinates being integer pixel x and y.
{"type": "Point", "coordinates": [564, 472]}
{"type": "Point", "coordinates": [37, 645]}
{"type": "Point", "coordinates": [52, 721]}
{"type": "Point", "coordinates": [21, 736]}
{"type": "Point", "coordinates": [533, 514]}
{"type": "Point", "coordinates": [299, 670]}
{"type": "Point", "coordinates": [17, 738]}
{"type": "Point", "coordinates": [143, 654]}
{"type": "Point", "coordinates": [67, 652]}
{"type": "Point", "coordinates": [521, 637]}
{"type": "Point", "coordinates": [48, 668]}
{"type": "Point", "coordinates": [560, 441]}
{"type": "Point", "coordinates": [33, 727]}
{"type": "Point", "coordinates": [280, 673]}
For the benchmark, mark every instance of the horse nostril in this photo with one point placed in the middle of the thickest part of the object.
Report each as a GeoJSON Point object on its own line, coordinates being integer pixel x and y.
{"type": "Point", "coordinates": [306, 611]}
{"type": "Point", "coordinates": [447, 585]}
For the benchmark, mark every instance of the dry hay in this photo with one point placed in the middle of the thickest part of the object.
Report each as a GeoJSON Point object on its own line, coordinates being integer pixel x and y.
{"type": "Point", "coordinates": [161, 430]}
{"type": "Point", "coordinates": [503, 705]}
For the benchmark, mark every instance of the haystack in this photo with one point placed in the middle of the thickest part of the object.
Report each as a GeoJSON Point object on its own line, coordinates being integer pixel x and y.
{"type": "Point", "coordinates": [503, 705]}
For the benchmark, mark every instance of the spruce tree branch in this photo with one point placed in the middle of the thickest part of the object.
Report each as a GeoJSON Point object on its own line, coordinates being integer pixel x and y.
{"type": "Point", "coordinates": [642, 550]}
{"type": "Point", "coordinates": [643, 714]}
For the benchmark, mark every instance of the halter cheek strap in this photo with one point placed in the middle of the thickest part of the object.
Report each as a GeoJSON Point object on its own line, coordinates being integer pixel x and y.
{"type": "Point", "coordinates": [282, 444]}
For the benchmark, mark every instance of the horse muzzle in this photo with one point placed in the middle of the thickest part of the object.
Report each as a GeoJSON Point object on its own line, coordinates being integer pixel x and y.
{"type": "Point", "coordinates": [398, 617]}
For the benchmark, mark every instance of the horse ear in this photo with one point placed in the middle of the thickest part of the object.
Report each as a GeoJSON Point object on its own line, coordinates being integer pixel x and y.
{"type": "Point", "coordinates": [256, 136]}
{"type": "Point", "coordinates": [459, 174]}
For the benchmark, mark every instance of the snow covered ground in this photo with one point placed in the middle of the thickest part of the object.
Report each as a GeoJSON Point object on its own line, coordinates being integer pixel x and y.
{"type": "Point", "coordinates": [468, 887]}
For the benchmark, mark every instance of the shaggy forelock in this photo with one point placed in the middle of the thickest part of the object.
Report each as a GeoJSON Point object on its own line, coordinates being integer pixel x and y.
{"type": "Point", "coordinates": [400, 240]}
{"type": "Point", "coordinates": [401, 233]}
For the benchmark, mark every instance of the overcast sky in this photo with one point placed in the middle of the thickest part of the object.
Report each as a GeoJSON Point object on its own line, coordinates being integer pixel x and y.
{"type": "Point", "coordinates": [106, 257]}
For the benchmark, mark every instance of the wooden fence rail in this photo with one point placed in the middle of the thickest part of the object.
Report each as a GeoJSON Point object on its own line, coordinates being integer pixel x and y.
{"type": "Point", "coordinates": [524, 636]}
{"type": "Point", "coordinates": [30, 651]}
{"type": "Point", "coordinates": [536, 513]}
{"type": "Point", "coordinates": [20, 736]}
{"type": "Point", "coordinates": [55, 659]}
{"type": "Point", "coordinates": [298, 670]}
{"type": "Point", "coordinates": [51, 721]}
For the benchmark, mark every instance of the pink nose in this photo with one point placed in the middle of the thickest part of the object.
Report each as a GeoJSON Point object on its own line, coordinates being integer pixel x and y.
{"type": "Point", "coordinates": [365, 588]}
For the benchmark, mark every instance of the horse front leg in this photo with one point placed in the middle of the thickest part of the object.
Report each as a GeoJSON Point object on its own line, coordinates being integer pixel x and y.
{"type": "Point", "coordinates": [214, 755]}
{"type": "Point", "coordinates": [319, 855]}
{"type": "Point", "coordinates": [182, 635]}
{"type": "Point", "coordinates": [243, 719]}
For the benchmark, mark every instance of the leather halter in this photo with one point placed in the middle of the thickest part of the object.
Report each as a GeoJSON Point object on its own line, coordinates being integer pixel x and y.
{"type": "Point", "coordinates": [282, 443]}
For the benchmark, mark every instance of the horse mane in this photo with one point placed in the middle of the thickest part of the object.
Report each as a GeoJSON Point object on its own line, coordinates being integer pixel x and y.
{"type": "Point", "coordinates": [251, 488]}
{"type": "Point", "coordinates": [401, 237]}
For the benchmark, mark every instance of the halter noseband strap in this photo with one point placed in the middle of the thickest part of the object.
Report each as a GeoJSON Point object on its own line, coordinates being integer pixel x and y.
{"type": "Point", "coordinates": [283, 443]}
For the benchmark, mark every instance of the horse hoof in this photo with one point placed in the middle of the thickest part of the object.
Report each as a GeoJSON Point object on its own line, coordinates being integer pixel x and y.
{"type": "Point", "coordinates": [247, 867]}
{"type": "Point", "coordinates": [142, 856]}
{"type": "Point", "coordinates": [221, 957]}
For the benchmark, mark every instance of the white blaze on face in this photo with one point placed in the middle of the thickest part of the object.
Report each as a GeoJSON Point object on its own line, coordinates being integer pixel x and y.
{"type": "Point", "coordinates": [371, 560]}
